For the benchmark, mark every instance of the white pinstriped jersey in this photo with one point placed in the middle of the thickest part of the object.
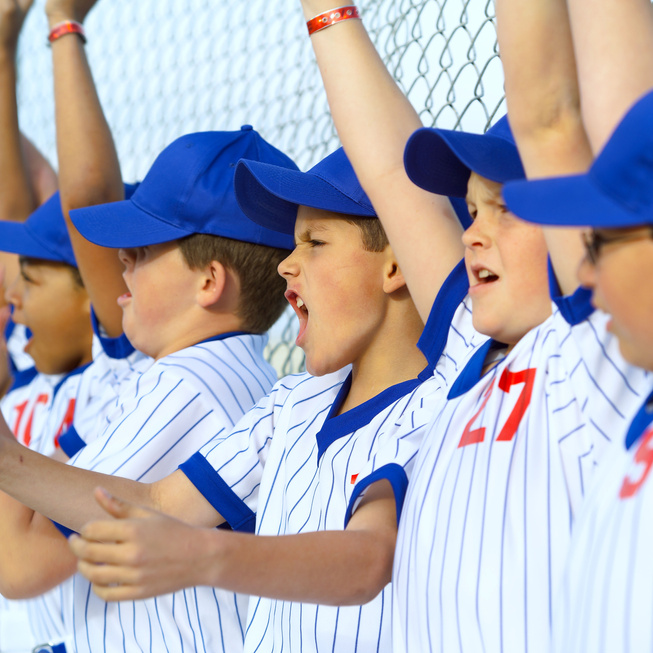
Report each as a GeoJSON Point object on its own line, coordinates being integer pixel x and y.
{"type": "Point", "coordinates": [166, 414]}
{"type": "Point", "coordinates": [497, 484]}
{"type": "Point", "coordinates": [38, 413]}
{"type": "Point", "coordinates": [17, 337]}
{"type": "Point", "coordinates": [299, 465]}
{"type": "Point", "coordinates": [114, 362]}
{"type": "Point", "coordinates": [606, 601]}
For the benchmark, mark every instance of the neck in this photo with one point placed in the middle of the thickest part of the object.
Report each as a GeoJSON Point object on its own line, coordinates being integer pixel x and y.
{"type": "Point", "coordinates": [392, 359]}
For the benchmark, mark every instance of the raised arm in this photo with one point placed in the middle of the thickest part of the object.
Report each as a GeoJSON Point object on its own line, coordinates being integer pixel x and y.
{"type": "Point", "coordinates": [41, 173]}
{"type": "Point", "coordinates": [89, 172]}
{"type": "Point", "coordinates": [613, 40]}
{"type": "Point", "coordinates": [544, 107]}
{"type": "Point", "coordinates": [17, 198]}
{"type": "Point", "coordinates": [374, 120]}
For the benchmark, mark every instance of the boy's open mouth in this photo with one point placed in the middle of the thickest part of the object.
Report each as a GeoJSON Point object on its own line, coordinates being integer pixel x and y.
{"type": "Point", "coordinates": [300, 309]}
{"type": "Point", "coordinates": [483, 276]}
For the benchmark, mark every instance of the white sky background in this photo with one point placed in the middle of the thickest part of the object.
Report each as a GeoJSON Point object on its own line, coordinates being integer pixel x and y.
{"type": "Point", "coordinates": [164, 68]}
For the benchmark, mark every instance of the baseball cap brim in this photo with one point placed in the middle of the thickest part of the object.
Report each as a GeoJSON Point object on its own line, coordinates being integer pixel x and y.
{"type": "Point", "coordinates": [16, 239]}
{"type": "Point", "coordinates": [441, 160]}
{"type": "Point", "coordinates": [269, 195]}
{"type": "Point", "coordinates": [123, 224]}
{"type": "Point", "coordinates": [573, 201]}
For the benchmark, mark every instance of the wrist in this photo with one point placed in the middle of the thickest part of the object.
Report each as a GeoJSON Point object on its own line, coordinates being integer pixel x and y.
{"type": "Point", "coordinates": [57, 17]}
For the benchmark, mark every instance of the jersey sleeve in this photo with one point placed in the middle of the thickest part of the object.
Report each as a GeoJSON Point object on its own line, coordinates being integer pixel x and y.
{"type": "Point", "coordinates": [395, 456]}
{"type": "Point", "coordinates": [228, 469]}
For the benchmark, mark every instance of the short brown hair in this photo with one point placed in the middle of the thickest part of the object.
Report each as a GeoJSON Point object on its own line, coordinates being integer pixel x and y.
{"type": "Point", "coordinates": [261, 287]}
{"type": "Point", "coordinates": [373, 234]}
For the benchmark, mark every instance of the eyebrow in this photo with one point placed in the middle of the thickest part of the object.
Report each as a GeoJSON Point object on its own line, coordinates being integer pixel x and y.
{"type": "Point", "coordinates": [314, 228]}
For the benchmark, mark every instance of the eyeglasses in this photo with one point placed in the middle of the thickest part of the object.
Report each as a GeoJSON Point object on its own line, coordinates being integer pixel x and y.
{"type": "Point", "coordinates": [594, 241]}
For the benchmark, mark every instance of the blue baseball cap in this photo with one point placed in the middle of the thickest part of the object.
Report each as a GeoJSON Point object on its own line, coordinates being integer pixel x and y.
{"type": "Point", "coordinates": [441, 160]}
{"type": "Point", "coordinates": [270, 194]}
{"type": "Point", "coordinates": [44, 234]}
{"type": "Point", "coordinates": [617, 190]}
{"type": "Point", "coordinates": [188, 190]}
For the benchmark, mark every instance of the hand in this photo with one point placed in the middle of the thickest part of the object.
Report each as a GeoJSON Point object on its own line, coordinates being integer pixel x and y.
{"type": "Point", "coordinates": [60, 10]}
{"type": "Point", "coordinates": [12, 16]}
{"type": "Point", "coordinates": [139, 553]}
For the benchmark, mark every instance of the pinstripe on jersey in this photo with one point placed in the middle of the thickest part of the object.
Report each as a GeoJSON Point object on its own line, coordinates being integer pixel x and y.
{"type": "Point", "coordinates": [607, 592]}
{"type": "Point", "coordinates": [306, 476]}
{"type": "Point", "coordinates": [497, 484]}
{"type": "Point", "coordinates": [96, 393]}
{"type": "Point", "coordinates": [164, 415]}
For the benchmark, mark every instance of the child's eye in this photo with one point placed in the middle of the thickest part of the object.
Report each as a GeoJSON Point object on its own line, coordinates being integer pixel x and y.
{"type": "Point", "coordinates": [26, 277]}
{"type": "Point", "coordinates": [315, 243]}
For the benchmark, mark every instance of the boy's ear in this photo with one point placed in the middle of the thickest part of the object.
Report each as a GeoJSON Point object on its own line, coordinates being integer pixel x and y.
{"type": "Point", "coordinates": [213, 284]}
{"type": "Point", "coordinates": [393, 278]}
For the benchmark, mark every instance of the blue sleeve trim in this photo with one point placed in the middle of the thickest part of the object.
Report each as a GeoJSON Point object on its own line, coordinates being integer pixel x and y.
{"type": "Point", "coordinates": [391, 472]}
{"type": "Point", "coordinates": [435, 334]}
{"type": "Point", "coordinates": [214, 489]}
{"type": "Point", "coordinates": [116, 348]}
{"type": "Point", "coordinates": [23, 378]}
{"type": "Point", "coordinates": [65, 531]}
{"type": "Point", "coordinates": [70, 442]}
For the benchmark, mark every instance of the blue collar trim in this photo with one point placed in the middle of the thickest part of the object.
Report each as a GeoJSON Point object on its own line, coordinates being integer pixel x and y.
{"type": "Point", "coordinates": [640, 422]}
{"type": "Point", "coordinates": [23, 378]}
{"type": "Point", "coordinates": [337, 426]}
{"type": "Point", "coordinates": [75, 372]}
{"type": "Point", "coordinates": [116, 348]}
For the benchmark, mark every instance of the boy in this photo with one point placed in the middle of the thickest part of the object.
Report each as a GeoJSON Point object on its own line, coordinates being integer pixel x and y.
{"type": "Point", "coordinates": [496, 485]}
{"type": "Point", "coordinates": [197, 305]}
{"type": "Point", "coordinates": [306, 453]}
{"type": "Point", "coordinates": [606, 595]}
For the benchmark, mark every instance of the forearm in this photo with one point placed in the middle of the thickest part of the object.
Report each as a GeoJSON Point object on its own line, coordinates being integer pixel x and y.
{"type": "Point", "coordinates": [374, 120]}
{"type": "Point", "coordinates": [544, 107]}
{"type": "Point", "coordinates": [60, 492]}
{"type": "Point", "coordinates": [34, 556]}
{"type": "Point", "coordinates": [613, 40]}
{"type": "Point", "coordinates": [17, 199]}
{"type": "Point", "coordinates": [328, 567]}
{"type": "Point", "coordinates": [89, 172]}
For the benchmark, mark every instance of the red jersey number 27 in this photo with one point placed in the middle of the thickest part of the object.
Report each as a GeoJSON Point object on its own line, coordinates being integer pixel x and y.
{"type": "Point", "coordinates": [508, 379]}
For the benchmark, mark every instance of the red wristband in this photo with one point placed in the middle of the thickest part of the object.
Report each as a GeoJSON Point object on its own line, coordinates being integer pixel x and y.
{"type": "Point", "coordinates": [331, 17]}
{"type": "Point", "coordinates": [67, 27]}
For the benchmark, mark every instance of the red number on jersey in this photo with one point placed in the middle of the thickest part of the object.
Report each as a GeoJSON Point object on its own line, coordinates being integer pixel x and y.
{"type": "Point", "coordinates": [20, 410]}
{"type": "Point", "coordinates": [644, 456]}
{"type": "Point", "coordinates": [67, 421]}
{"type": "Point", "coordinates": [27, 434]}
{"type": "Point", "coordinates": [474, 436]}
{"type": "Point", "coordinates": [507, 380]}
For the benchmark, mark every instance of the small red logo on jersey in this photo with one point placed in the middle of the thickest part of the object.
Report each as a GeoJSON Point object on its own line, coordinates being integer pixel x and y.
{"type": "Point", "coordinates": [353, 478]}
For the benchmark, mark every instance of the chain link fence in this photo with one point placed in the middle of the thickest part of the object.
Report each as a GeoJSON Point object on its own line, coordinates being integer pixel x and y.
{"type": "Point", "coordinates": [164, 68]}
